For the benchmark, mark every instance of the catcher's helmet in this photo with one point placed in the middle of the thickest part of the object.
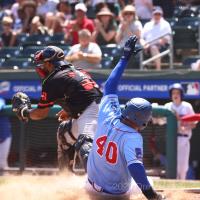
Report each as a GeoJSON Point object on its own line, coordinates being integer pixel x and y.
{"type": "Point", "coordinates": [52, 54]}
{"type": "Point", "coordinates": [139, 111]}
{"type": "Point", "coordinates": [177, 86]}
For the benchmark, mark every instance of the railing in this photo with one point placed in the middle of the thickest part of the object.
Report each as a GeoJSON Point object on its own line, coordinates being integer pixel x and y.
{"type": "Point", "coordinates": [169, 52]}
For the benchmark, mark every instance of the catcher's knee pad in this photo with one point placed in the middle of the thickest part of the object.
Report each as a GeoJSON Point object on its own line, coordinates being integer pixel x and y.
{"type": "Point", "coordinates": [64, 135]}
{"type": "Point", "coordinates": [83, 146]}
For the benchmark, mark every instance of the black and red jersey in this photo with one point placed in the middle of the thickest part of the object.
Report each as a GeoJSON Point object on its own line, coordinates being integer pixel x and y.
{"type": "Point", "coordinates": [71, 88]}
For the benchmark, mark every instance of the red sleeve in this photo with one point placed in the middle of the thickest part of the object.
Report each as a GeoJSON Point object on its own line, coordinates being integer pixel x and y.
{"type": "Point", "coordinates": [90, 25]}
{"type": "Point", "coordinates": [44, 102]}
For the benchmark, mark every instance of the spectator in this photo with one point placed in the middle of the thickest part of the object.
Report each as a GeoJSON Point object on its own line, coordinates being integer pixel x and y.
{"type": "Point", "coordinates": [86, 54]}
{"type": "Point", "coordinates": [5, 138]}
{"type": "Point", "coordinates": [144, 9]}
{"type": "Point", "coordinates": [114, 6]}
{"type": "Point", "coordinates": [81, 22]}
{"type": "Point", "coordinates": [129, 25]}
{"type": "Point", "coordinates": [28, 12]}
{"type": "Point", "coordinates": [15, 7]}
{"type": "Point", "coordinates": [97, 5]}
{"type": "Point", "coordinates": [16, 11]}
{"type": "Point", "coordinates": [196, 65]}
{"type": "Point", "coordinates": [105, 28]}
{"type": "Point", "coordinates": [38, 27]}
{"type": "Point", "coordinates": [167, 6]}
{"type": "Point", "coordinates": [56, 21]}
{"type": "Point", "coordinates": [154, 29]}
{"type": "Point", "coordinates": [8, 36]}
{"type": "Point", "coordinates": [46, 6]}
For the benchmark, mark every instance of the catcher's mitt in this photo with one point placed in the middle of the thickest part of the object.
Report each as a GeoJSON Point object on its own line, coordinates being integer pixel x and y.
{"type": "Point", "coordinates": [21, 105]}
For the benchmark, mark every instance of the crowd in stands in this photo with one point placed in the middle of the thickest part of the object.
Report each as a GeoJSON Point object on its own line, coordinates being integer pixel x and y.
{"type": "Point", "coordinates": [88, 25]}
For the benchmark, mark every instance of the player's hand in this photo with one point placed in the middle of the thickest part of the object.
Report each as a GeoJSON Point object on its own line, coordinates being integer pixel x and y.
{"type": "Point", "coordinates": [130, 48]}
{"type": "Point", "coordinates": [62, 116]}
{"type": "Point", "coordinates": [21, 105]}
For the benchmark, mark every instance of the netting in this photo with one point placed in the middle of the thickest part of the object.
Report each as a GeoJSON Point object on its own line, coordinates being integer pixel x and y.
{"type": "Point", "coordinates": [40, 146]}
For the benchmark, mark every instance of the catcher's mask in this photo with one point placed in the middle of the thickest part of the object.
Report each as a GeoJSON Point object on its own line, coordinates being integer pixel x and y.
{"type": "Point", "coordinates": [52, 54]}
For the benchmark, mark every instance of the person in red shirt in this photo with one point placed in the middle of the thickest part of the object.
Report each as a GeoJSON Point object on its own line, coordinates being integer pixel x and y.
{"type": "Point", "coordinates": [81, 22]}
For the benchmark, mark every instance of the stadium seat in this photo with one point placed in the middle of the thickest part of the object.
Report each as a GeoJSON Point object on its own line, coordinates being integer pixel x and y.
{"type": "Point", "coordinates": [185, 11]}
{"type": "Point", "coordinates": [56, 39]}
{"type": "Point", "coordinates": [22, 38]}
{"type": "Point", "coordinates": [185, 37]}
{"type": "Point", "coordinates": [29, 51]}
{"type": "Point", "coordinates": [35, 39]}
{"type": "Point", "coordinates": [111, 50]}
{"type": "Point", "coordinates": [188, 21]}
{"type": "Point", "coordinates": [107, 62]}
{"type": "Point", "coordinates": [189, 60]}
{"type": "Point", "coordinates": [17, 63]}
{"type": "Point", "coordinates": [8, 52]}
{"type": "Point", "coordinates": [172, 21]}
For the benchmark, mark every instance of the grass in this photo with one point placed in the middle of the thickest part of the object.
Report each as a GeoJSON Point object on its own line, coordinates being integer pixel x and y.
{"type": "Point", "coordinates": [176, 184]}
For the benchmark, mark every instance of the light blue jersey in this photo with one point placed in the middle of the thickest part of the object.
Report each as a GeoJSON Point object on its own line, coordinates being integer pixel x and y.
{"type": "Point", "coordinates": [115, 147]}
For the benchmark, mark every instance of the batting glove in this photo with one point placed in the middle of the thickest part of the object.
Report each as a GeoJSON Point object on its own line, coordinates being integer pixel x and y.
{"type": "Point", "coordinates": [130, 48]}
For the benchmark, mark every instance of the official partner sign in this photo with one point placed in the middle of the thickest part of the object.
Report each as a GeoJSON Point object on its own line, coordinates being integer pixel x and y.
{"type": "Point", "coordinates": [157, 89]}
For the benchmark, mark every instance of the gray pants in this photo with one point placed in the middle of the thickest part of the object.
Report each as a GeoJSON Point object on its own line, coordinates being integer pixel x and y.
{"type": "Point", "coordinates": [86, 124]}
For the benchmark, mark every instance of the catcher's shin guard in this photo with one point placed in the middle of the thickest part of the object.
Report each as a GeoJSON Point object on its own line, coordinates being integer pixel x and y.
{"type": "Point", "coordinates": [82, 146]}
{"type": "Point", "coordinates": [65, 150]}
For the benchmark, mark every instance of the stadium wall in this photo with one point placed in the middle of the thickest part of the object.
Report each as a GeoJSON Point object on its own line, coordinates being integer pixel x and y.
{"type": "Point", "coordinates": [148, 84]}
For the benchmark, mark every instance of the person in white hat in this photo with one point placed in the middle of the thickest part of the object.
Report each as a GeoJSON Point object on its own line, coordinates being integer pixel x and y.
{"type": "Point", "coordinates": [81, 22]}
{"type": "Point", "coordinates": [153, 30]}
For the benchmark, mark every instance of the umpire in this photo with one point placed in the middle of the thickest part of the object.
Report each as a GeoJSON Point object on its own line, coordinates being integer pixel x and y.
{"type": "Point", "coordinates": [71, 88]}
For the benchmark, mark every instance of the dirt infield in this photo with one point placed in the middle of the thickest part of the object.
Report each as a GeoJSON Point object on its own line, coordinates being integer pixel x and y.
{"type": "Point", "coordinates": [71, 187]}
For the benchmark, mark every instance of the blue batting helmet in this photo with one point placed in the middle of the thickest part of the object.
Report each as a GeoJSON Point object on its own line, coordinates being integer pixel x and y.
{"type": "Point", "coordinates": [139, 111]}
{"type": "Point", "coordinates": [177, 86]}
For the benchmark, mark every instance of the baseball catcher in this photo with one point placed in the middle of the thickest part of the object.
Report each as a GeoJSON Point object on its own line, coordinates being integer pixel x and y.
{"type": "Point", "coordinates": [75, 91]}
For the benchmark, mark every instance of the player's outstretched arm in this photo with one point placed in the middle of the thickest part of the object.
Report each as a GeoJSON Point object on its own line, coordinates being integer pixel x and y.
{"type": "Point", "coordinates": [113, 80]}
{"type": "Point", "coordinates": [138, 173]}
{"type": "Point", "coordinates": [21, 106]}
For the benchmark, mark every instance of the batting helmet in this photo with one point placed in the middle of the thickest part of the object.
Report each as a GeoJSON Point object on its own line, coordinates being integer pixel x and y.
{"type": "Point", "coordinates": [139, 111]}
{"type": "Point", "coordinates": [52, 54]}
{"type": "Point", "coordinates": [177, 86]}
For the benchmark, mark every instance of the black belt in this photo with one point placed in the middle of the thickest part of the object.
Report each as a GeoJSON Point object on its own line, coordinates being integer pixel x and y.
{"type": "Point", "coordinates": [182, 135]}
{"type": "Point", "coordinates": [103, 190]}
